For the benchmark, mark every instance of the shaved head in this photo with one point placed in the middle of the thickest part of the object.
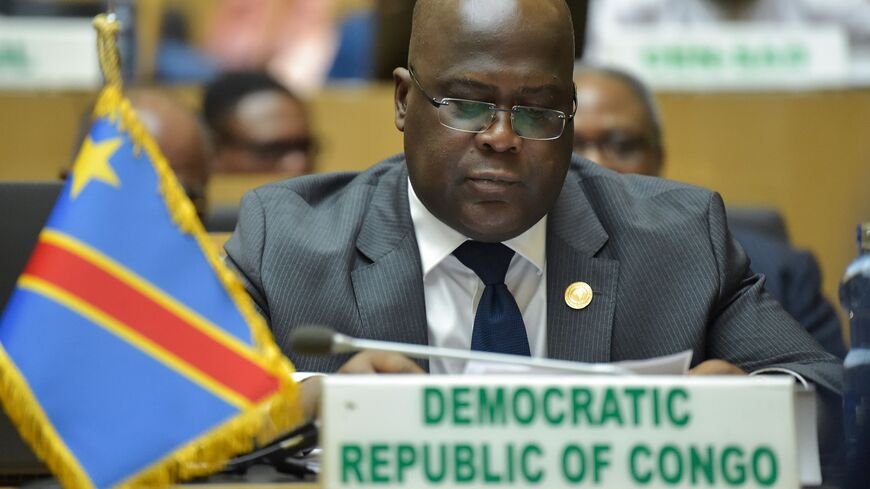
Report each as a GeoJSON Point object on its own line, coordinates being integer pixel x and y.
{"type": "Point", "coordinates": [617, 124]}
{"type": "Point", "coordinates": [440, 24]}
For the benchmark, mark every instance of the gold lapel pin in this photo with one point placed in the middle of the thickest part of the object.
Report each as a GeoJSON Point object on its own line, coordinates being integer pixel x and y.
{"type": "Point", "coordinates": [578, 295]}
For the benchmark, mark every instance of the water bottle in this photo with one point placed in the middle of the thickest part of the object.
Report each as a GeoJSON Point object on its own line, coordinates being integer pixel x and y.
{"type": "Point", "coordinates": [855, 298]}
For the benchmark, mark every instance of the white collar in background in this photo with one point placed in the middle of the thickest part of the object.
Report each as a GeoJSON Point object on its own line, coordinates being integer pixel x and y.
{"type": "Point", "coordinates": [437, 240]}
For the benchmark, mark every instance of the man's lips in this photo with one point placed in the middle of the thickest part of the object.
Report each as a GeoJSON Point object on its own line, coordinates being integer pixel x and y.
{"type": "Point", "coordinates": [491, 183]}
{"type": "Point", "coordinates": [496, 177]}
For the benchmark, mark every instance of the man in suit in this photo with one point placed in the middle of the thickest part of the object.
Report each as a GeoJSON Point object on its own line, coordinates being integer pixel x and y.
{"type": "Point", "coordinates": [600, 266]}
{"type": "Point", "coordinates": [617, 126]}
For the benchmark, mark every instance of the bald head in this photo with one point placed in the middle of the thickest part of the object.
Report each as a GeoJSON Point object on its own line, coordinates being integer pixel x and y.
{"type": "Point", "coordinates": [490, 12]}
{"type": "Point", "coordinates": [181, 138]}
{"type": "Point", "coordinates": [617, 124]}
{"type": "Point", "coordinates": [452, 28]}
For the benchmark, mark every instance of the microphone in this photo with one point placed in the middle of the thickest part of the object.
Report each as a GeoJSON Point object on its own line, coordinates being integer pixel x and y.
{"type": "Point", "coordinates": [320, 340]}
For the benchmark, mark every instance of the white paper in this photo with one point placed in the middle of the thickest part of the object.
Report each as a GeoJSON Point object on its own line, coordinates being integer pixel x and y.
{"type": "Point", "coordinates": [676, 364]}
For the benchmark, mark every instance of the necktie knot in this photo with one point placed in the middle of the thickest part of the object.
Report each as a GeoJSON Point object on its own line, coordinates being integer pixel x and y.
{"type": "Point", "coordinates": [488, 260]}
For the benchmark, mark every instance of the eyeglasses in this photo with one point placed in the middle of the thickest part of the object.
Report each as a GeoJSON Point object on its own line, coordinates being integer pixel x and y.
{"type": "Point", "coordinates": [475, 116]}
{"type": "Point", "coordinates": [618, 147]}
{"type": "Point", "coordinates": [274, 150]}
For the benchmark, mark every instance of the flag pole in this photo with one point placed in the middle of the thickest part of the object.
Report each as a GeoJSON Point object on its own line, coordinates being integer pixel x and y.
{"type": "Point", "coordinates": [108, 28]}
{"type": "Point", "coordinates": [283, 411]}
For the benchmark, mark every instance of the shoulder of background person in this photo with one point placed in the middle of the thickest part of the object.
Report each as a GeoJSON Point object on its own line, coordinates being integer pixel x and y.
{"type": "Point", "coordinates": [327, 189]}
{"type": "Point", "coordinates": [643, 199]}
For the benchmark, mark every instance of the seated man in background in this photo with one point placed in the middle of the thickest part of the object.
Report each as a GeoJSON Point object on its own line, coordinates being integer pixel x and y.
{"type": "Point", "coordinates": [258, 125]}
{"type": "Point", "coordinates": [182, 140]}
{"type": "Point", "coordinates": [477, 235]}
{"type": "Point", "coordinates": [179, 134]}
{"type": "Point", "coordinates": [617, 126]}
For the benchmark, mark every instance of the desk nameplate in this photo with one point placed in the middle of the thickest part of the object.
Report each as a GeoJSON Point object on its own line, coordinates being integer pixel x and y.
{"type": "Point", "coordinates": [607, 432]}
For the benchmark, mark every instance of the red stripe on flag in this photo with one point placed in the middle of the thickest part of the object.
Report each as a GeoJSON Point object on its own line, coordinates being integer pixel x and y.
{"type": "Point", "coordinates": [146, 317]}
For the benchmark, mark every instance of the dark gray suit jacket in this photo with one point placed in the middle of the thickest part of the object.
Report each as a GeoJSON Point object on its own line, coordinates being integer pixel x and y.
{"type": "Point", "coordinates": [340, 250]}
{"type": "Point", "coordinates": [793, 278]}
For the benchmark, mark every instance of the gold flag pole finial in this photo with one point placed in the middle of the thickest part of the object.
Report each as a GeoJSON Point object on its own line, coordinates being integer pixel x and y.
{"type": "Point", "coordinates": [107, 48]}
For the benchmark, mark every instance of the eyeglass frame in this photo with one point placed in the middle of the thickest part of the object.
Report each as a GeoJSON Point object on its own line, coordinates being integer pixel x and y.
{"type": "Point", "coordinates": [494, 109]}
{"type": "Point", "coordinates": [605, 145]}
{"type": "Point", "coordinates": [306, 145]}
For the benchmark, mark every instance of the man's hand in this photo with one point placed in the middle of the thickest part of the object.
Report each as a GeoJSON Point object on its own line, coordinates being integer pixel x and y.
{"type": "Point", "coordinates": [310, 393]}
{"type": "Point", "coordinates": [377, 362]}
{"type": "Point", "coordinates": [716, 367]}
{"type": "Point", "coordinates": [366, 362]}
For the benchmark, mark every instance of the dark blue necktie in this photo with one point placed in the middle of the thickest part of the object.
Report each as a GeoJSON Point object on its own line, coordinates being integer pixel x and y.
{"type": "Point", "coordinates": [498, 324]}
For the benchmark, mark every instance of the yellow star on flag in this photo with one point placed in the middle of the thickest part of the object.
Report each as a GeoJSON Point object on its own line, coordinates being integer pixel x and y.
{"type": "Point", "coordinates": [92, 163]}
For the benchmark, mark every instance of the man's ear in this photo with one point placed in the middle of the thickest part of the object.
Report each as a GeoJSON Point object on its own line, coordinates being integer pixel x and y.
{"type": "Point", "coordinates": [402, 81]}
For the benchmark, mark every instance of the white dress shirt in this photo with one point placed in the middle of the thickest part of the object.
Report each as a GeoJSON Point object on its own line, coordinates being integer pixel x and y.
{"type": "Point", "coordinates": [452, 291]}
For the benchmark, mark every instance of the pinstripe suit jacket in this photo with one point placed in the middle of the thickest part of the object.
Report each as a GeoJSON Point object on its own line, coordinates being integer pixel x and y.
{"type": "Point", "coordinates": [340, 250]}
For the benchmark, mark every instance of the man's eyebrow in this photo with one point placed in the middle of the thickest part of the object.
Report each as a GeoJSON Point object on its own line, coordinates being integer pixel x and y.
{"type": "Point", "coordinates": [468, 83]}
{"type": "Point", "coordinates": [548, 89]}
{"type": "Point", "coordinates": [465, 83]}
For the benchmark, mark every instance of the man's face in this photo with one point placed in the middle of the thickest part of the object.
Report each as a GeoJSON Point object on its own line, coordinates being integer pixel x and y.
{"type": "Point", "coordinates": [266, 132]}
{"type": "Point", "coordinates": [611, 127]}
{"type": "Point", "coordinates": [494, 185]}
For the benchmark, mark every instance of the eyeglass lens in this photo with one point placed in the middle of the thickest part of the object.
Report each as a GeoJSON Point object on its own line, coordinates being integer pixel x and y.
{"type": "Point", "coordinates": [526, 122]}
{"type": "Point", "coordinates": [536, 123]}
{"type": "Point", "coordinates": [616, 146]}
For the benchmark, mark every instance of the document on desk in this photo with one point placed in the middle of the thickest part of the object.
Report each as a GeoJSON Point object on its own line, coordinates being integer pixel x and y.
{"type": "Point", "coordinates": [675, 364]}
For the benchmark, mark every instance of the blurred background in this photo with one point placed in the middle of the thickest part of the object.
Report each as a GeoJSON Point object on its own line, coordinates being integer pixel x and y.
{"type": "Point", "coordinates": [765, 101]}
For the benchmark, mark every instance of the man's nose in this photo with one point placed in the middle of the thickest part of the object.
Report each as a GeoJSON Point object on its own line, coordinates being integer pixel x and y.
{"type": "Point", "coordinates": [500, 136]}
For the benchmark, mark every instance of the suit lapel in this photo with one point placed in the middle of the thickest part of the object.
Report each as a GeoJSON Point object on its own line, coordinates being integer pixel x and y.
{"type": "Point", "coordinates": [389, 290]}
{"type": "Point", "coordinates": [574, 237]}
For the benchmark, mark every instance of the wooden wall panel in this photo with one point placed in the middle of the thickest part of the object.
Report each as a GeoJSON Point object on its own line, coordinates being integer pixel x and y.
{"type": "Point", "coordinates": [806, 153]}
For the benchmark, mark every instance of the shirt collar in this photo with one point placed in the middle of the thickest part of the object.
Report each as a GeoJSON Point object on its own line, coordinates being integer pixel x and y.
{"type": "Point", "coordinates": [436, 240]}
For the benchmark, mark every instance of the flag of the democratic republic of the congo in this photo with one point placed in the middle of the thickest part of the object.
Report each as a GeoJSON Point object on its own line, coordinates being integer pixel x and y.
{"type": "Point", "coordinates": [130, 355]}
